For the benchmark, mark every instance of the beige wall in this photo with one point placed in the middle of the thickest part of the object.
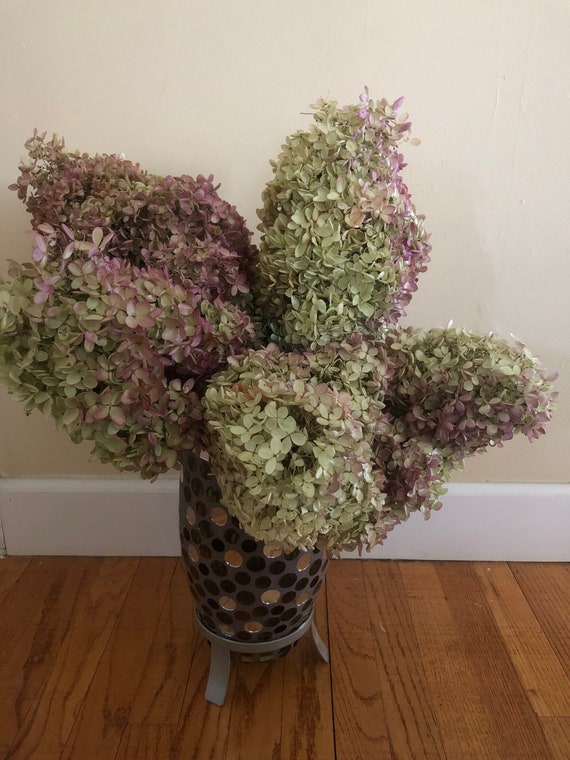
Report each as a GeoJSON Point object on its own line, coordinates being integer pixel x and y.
{"type": "Point", "coordinates": [190, 87]}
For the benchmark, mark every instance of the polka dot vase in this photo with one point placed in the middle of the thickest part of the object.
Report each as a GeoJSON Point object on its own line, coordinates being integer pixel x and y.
{"type": "Point", "coordinates": [245, 594]}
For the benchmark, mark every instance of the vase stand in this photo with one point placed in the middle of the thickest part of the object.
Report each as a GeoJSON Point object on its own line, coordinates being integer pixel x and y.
{"type": "Point", "coordinates": [222, 649]}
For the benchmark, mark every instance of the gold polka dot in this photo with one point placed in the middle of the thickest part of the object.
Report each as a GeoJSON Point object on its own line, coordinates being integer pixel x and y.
{"type": "Point", "coordinates": [193, 553]}
{"type": "Point", "coordinates": [233, 558]}
{"type": "Point", "coordinates": [219, 516]}
{"type": "Point", "coordinates": [302, 598]}
{"type": "Point", "coordinates": [303, 562]}
{"type": "Point", "coordinates": [270, 596]}
{"type": "Point", "coordinates": [271, 552]}
{"type": "Point", "coordinates": [191, 516]}
{"type": "Point", "coordinates": [253, 626]}
{"type": "Point", "coordinates": [225, 629]}
{"type": "Point", "coordinates": [227, 603]}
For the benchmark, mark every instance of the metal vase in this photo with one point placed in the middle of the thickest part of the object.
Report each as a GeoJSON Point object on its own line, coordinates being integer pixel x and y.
{"type": "Point", "coordinates": [251, 603]}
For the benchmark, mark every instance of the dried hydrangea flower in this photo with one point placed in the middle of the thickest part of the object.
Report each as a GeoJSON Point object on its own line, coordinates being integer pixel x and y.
{"type": "Point", "coordinates": [467, 391]}
{"type": "Point", "coordinates": [136, 293]}
{"type": "Point", "coordinates": [179, 223]}
{"type": "Point", "coordinates": [342, 246]}
{"type": "Point", "coordinates": [292, 453]}
{"type": "Point", "coordinates": [452, 394]}
{"type": "Point", "coordinates": [134, 327]}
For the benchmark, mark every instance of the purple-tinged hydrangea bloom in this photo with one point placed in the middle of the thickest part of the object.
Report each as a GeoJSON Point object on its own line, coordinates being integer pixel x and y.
{"type": "Point", "coordinates": [136, 294]}
{"type": "Point", "coordinates": [326, 423]}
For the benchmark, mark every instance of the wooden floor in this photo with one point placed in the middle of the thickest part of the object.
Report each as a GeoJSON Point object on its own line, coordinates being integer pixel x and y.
{"type": "Point", "coordinates": [99, 658]}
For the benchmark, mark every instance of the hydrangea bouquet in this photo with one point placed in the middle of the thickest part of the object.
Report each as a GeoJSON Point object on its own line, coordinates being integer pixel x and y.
{"type": "Point", "coordinates": [149, 323]}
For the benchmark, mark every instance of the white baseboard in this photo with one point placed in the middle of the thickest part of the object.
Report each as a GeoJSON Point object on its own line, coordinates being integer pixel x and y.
{"type": "Point", "coordinates": [2, 541]}
{"type": "Point", "coordinates": [123, 516]}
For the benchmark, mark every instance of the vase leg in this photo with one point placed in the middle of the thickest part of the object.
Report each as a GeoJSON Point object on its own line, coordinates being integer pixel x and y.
{"type": "Point", "coordinates": [219, 673]}
{"type": "Point", "coordinates": [322, 648]}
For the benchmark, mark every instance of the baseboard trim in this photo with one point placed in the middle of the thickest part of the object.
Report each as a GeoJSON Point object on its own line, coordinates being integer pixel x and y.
{"type": "Point", "coordinates": [131, 517]}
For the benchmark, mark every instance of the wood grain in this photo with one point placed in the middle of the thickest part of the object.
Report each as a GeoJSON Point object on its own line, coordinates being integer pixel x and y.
{"type": "Point", "coordinates": [411, 721]}
{"type": "Point", "coordinates": [104, 715]}
{"type": "Point", "coordinates": [202, 731]}
{"type": "Point", "coordinates": [10, 572]}
{"type": "Point", "coordinates": [104, 587]}
{"type": "Point", "coordinates": [33, 625]}
{"type": "Point", "coordinates": [459, 702]}
{"type": "Point", "coordinates": [159, 696]}
{"type": "Point", "coordinates": [442, 661]}
{"type": "Point", "coordinates": [557, 731]}
{"type": "Point", "coordinates": [546, 684]}
{"type": "Point", "coordinates": [257, 706]}
{"type": "Point", "coordinates": [307, 728]}
{"type": "Point", "coordinates": [547, 591]}
{"type": "Point", "coordinates": [147, 742]}
{"type": "Point", "coordinates": [514, 725]}
{"type": "Point", "coordinates": [358, 702]}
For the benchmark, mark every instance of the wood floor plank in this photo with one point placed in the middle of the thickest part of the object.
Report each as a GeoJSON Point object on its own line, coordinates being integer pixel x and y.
{"type": "Point", "coordinates": [544, 679]}
{"type": "Point", "coordinates": [458, 700]}
{"type": "Point", "coordinates": [411, 721]}
{"type": "Point", "coordinates": [256, 715]}
{"type": "Point", "coordinates": [202, 731]}
{"type": "Point", "coordinates": [307, 729]}
{"type": "Point", "coordinates": [147, 742]}
{"type": "Point", "coordinates": [104, 586]}
{"type": "Point", "coordinates": [36, 585]}
{"type": "Point", "coordinates": [443, 661]}
{"type": "Point", "coordinates": [33, 624]}
{"type": "Point", "coordinates": [359, 710]}
{"type": "Point", "coordinates": [104, 714]}
{"type": "Point", "coordinates": [515, 726]}
{"type": "Point", "coordinates": [546, 587]}
{"type": "Point", "coordinates": [11, 568]}
{"type": "Point", "coordinates": [257, 706]}
{"type": "Point", "coordinates": [161, 691]}
{"type": "Point", "coordinates": [557, 731]}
